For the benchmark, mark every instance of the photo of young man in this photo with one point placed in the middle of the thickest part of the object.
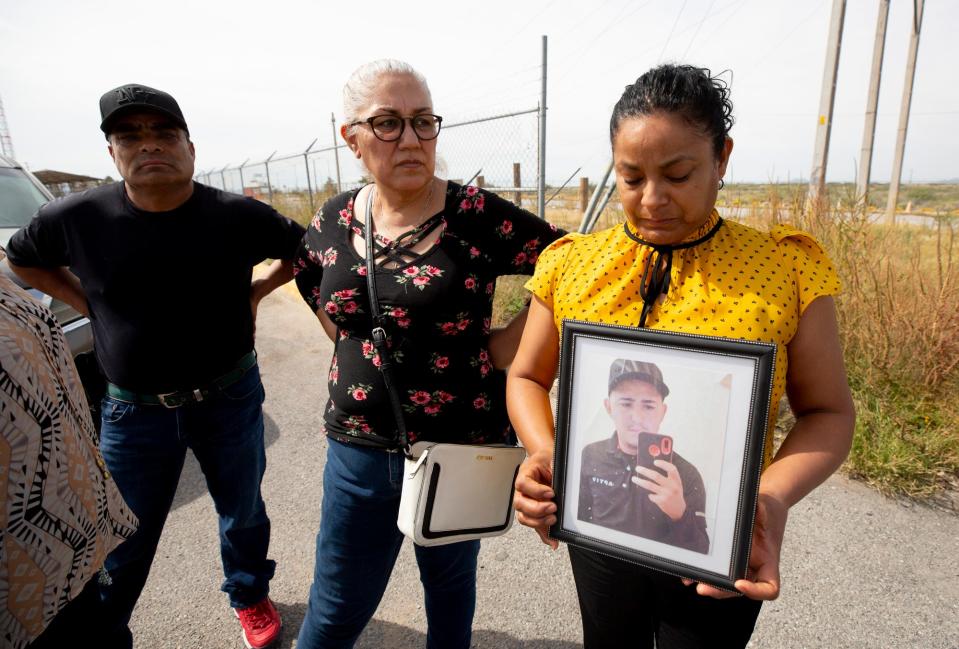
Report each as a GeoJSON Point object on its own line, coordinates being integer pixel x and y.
{"type": "Point", "coordinates": [634, 481]}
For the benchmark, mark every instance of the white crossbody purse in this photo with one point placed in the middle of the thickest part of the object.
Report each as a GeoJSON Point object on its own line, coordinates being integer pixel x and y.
{"type": "Point", "coordinates": [458, 492]}
{"type": "Point", "coordinates": [451, 492]}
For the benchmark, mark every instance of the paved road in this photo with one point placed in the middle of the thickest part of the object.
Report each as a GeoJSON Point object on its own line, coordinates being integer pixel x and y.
{"type": "Point", "coordinates": [859, 570]}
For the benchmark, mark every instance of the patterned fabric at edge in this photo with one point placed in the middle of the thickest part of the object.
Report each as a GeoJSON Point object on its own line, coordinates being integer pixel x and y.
{"type": "Point", "coordinates": [61, 512]}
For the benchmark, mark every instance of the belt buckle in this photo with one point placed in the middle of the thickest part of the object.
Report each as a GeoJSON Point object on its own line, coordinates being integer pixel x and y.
{"type": "Point", "coordinates": [171, 399]}
{"type": "Point", "coordinates": [177, 399]}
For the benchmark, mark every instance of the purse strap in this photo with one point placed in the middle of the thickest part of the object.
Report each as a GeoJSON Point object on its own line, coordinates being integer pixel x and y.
{"type": "Point", "coordinates": [379, 333]}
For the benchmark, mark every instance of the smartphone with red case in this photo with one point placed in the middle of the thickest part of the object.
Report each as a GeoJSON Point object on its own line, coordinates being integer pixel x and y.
{"type": "Point", "coordinates": [652, 447]}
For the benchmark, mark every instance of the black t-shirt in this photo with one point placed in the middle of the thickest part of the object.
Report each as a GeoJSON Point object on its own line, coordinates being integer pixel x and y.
{"type": "Point", "coordinates": [169, 292]}
{"type": "Point", "coordinates": [608, 497]}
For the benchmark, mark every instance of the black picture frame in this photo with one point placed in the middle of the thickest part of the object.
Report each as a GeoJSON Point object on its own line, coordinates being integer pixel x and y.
{"type": "Point", "coordinates": [719, 392]}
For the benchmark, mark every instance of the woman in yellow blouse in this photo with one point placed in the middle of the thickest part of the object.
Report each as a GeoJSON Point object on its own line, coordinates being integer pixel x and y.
{"type": "Point", "coordinates": [676, 265]}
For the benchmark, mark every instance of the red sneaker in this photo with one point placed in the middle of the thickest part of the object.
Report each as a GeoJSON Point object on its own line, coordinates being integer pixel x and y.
{"type": "Point", "coordinates": [261, 624]}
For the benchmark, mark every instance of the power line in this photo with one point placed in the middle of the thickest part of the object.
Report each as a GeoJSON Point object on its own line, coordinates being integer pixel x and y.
{"type": "Point", "coordinates": [530, 21]}
{"type": "Point", "coordinates": [520, 88]}
{"type": "Point", "coordinates": [643, 53]}
{"type": "Point", "coordinates": [578, 23]}
{"type": "Point", "coordinates": [738, 4]}
{"type": "Point", "coordinates": [524, 82]}
{"type": "Point", "coordinates": [780, 41]}
{"type": "Point", "coordinates": [483, 83]}
{"type": "Point", "coordinates": [698, 27]}
{"type": "Point", "coordinates": [668, 38]}
{"type": "Point", "coordinates": [618, 19]}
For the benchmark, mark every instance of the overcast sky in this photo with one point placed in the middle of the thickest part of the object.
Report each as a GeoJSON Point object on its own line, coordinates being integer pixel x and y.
{"type": "Point", "coordinates": [254, 77]}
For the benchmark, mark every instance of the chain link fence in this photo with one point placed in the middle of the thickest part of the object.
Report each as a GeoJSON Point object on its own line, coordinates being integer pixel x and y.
{"type": "Point", "coordinates": [499, 152]}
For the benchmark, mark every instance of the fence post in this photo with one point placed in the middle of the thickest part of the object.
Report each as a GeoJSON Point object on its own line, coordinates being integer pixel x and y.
{"type": "Point", "coordinates": [309, 185]}
{"type": "Point", "coordinates": [541, 172]}
{"type": "Point", "coordinates": [602, 206]}
{"type": "Point", "coordinates": [222, 177]}
{"type": "Point", "coordinates": [587, 223]}
{"type": "Point", "coordinates": [583, 193]}
{"type": "Point", "coordinates": [481, 181]}
{"type": "Point", "coordinates": [517, 183]}
{"type": "Point", "coordinates": [242, 183]}
{"type": "Point", "coordinates": [336, 154]}
{"type": "Point", "coordinates": [269, 185]}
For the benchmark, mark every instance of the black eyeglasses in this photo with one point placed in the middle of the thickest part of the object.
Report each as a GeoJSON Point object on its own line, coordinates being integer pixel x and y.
{"type": "Point", "coordinates": [389, 128]}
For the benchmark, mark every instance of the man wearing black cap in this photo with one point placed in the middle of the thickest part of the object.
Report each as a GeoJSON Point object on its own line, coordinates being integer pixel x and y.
{"type": "Point", "coordinates": [163, 267]}
{"type": "Point", "coordinates": [665, 503]}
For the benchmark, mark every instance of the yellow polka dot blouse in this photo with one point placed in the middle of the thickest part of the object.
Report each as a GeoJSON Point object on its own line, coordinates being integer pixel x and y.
{"type": "Point", "coordinates": [741, 283]}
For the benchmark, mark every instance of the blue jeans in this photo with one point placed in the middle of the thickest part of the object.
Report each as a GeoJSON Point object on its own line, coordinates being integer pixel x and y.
{"type": "Point", "coordinates": [144, 447]}
{"type": "Point", "coordinates": [357, 546]}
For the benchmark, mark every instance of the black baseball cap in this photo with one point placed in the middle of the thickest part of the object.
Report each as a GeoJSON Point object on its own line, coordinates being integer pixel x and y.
{"type": "Point", "coordinates": [627, 369]}
{"type": "Point", "coordinates": [135, 96]}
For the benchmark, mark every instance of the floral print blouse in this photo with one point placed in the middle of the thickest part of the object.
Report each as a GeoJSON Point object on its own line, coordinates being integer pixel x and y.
{"type": "Point", "coordinates": [438, 308]}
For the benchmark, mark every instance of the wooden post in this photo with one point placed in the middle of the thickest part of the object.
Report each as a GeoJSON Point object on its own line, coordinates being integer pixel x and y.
{"type": "Point", "coordinates": [481, 181]}
{"type": "Point", "coordinates": [583, 193]}
{"type": "Point", "coordinates": [517, 182]}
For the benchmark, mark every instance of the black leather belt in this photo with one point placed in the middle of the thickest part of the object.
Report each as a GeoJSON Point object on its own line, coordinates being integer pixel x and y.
{"type": "Point", "coordinates": [183, 397]}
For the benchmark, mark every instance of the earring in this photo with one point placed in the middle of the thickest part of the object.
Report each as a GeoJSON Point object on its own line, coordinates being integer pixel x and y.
{"type": "Point", "coordinates": [722, 183]}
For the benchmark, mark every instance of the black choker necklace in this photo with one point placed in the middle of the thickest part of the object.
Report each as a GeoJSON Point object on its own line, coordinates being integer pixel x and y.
{"type": "Point", "coordinates": [656, 270]}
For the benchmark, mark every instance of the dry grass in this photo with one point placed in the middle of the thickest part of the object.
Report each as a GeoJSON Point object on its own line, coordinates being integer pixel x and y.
{"type": "Point", "coordinates": [928, 198]}
{"type": "Point", "coordinates": [899, 324]}
{"type": "Point", "coordinates": [898, 312]}
{"type": "Point", "coordinates": [296, 205]}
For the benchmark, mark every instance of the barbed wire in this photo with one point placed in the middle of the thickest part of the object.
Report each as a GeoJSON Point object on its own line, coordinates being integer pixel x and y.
{"type": "Point", "coordinates": [500, 148]}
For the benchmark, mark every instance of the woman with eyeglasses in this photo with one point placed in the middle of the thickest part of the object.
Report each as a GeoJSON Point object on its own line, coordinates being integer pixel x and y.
{"type": "Point", "coordinates": [438, 248]}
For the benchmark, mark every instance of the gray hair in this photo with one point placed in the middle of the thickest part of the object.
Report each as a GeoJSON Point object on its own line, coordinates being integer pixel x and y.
{"type": "Point", "coordinates": [359, 87]}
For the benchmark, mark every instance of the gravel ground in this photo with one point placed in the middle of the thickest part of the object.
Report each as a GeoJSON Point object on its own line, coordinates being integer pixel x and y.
{"type": "Point", "coordinates": [859, 570]}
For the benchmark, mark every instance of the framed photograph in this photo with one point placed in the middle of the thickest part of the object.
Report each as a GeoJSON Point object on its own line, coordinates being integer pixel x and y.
{"type": "Point", "coordinates": [659, 446]}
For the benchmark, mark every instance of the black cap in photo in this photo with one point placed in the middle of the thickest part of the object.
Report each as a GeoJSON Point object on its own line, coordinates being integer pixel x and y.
{"type": "Point", "coordinates": [627, 369]}
{"type": "Point", "coordinates": [135, 96]}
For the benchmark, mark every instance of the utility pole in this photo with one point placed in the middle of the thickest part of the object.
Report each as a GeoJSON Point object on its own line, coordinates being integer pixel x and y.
{"type": "Point", "coordinates": [917, 7]}
{"type": "Point", "coordinates": [817, 179]}
{"type": "Point", "coordinates": [869, 128]}
{"type": "Point", "coordinates": [6, 144]}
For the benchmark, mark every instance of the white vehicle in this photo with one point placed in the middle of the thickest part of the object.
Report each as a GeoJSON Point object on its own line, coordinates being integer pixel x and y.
{"type": "Point", "coordinates": [21, 195]}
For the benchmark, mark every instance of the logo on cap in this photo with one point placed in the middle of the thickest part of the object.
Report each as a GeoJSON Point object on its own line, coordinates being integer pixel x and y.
{"type": "Point", "coordinates": [134, 94]}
